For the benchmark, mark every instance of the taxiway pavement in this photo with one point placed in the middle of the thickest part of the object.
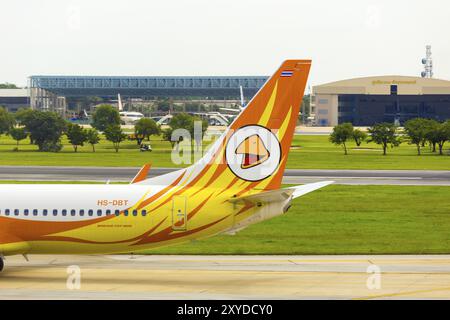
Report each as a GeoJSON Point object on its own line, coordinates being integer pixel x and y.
{"type": "Point", "coordinates": [226, 277]}
{"type": "Point", "coordinates": [291, 176]}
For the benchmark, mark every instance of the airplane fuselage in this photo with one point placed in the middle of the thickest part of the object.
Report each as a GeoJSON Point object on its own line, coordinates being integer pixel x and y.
{"type": "Point", "coordinates": [90, 218]}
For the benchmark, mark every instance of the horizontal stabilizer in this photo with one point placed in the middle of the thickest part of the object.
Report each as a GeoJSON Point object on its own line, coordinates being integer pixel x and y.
{"type": "Point", "coordinates": [142, 174]}
{"type": "Point", "coordinates": [266, 196]}
{"type": "Point", "coordinates": [281, 194]}
{"type": "Point", "coordinates": [307, 188]}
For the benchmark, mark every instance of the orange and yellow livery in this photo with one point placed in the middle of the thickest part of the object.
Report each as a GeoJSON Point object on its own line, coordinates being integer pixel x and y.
{"type": "Point", "coordinates": [235, 184]}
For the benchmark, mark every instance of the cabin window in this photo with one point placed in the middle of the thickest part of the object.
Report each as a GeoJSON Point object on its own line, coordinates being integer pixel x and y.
{"type": "Point", "coordinates": [135, 212]}
{"type": "Point", "coordinates": [64, 212]}
{"type": "Point", "coordinates": [117, 212]}
{"type": "Point", "coordinates": [108, 212]}
{"type": "Point", "coordinates": [90, 212]}
{"type": "Point", "coordinates": [99, 212]}
{"type": "Point", "coordinates": [7, 212]}
{"type": "Point", "coordinates": [55, 212]}
{"type": "Point", "coordinates": [16, 212]}
{"type": "Point", "coordinates": [125, 213]}
{"type": "Point", "coordinates": [144, 213]}
{"type": "Point", "coordinates": [35, 212]}
{"type": "Point", "coordinates": [45, 212]}
{"type": "Point", "coordinates": [73, 212]}
{"type": "Point", "coordinates": [25, 212]}
{"type": "Point", "coordinates": [81, 212]}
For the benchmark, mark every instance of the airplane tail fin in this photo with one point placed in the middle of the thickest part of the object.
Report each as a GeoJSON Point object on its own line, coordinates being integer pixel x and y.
{"type": "Point", "coordinates": [252, 152]}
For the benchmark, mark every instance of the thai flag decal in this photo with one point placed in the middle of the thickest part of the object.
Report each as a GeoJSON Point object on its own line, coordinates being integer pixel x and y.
{"type": "Point", "coordinates": [287, 73]}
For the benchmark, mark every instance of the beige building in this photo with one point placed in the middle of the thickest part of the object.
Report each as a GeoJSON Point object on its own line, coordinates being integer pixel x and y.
{"type": "Point", "coordinates": [366, 101]}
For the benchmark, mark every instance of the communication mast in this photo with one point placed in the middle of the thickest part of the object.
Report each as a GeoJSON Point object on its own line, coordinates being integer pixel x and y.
{"type": "Point", "coordinates": [428, 64]}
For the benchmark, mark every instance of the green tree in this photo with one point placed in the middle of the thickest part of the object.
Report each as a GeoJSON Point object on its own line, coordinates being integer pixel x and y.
{"type": "Point", "coordinates": [341, 133]}
{"type": "Point", "coordinates": [187, 122]}
{"type": "Point", "coordinates": [7, 85]}
{"type": "Point", "coordinates": [105, 115]}
{"type": "Point", "coordinates": [384, 134]}
{"type": "Point", "coordinates": [146, 127]}
{"type": "Point", "coordinates": [359, 136]}
{"type": "Point", "coordinates": [18, 134]}
{"type": "Point", "coordinates": [93, 138]}
{"type": "Point", "coordinates": [46, 129]}
{"type": "Point", "coordinates": [305, 108]}
{"type": "Point", "coordinates": [77, 135]}
{"type": "Point", "coordinates": [25, 117]}
{"type": "Point", "coordinates": [416, 130]}
{"type": "Point", "coordinates": [164, 105]}
{"type": "Point", "coordinates": [198, 131]}
{"type": "Point", "coordinates": [6, 121]}
{"type": "Point", "coordinates": [115, 134]}
{"type": "Point", "coordinates": [432, 134]}
{"type": "Point", "coordinates": [441, 134]}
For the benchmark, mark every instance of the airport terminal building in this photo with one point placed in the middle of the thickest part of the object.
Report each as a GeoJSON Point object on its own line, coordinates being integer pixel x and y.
{"type": "Point", "coordinates": [370, 100]}
{"type": "Point", "coordinates": [51, 92]}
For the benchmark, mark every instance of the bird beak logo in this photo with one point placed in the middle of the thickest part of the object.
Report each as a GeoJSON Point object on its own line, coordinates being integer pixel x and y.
{"type": "Point", "coordinates": [254, 151]}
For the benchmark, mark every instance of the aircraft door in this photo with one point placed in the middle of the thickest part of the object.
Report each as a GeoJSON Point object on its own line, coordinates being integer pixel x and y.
{"type": "Point", "coordinates": [179, 218]}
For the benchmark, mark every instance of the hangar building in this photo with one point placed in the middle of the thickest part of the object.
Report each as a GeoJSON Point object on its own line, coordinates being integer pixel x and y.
{"type": "Point", "coordinates": [14, 99]}
{"type": "Point", "coordinates": [370, 100]}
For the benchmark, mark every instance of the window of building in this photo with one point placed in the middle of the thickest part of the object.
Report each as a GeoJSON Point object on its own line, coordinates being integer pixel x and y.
{"type": "Point", "coordinates": [323, 111]}
{"type": "Point", "coordinates": [323, 101]}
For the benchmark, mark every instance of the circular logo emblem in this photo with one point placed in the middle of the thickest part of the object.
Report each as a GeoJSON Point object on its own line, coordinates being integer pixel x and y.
{"type": "Point", "coordinates": [253, 153]}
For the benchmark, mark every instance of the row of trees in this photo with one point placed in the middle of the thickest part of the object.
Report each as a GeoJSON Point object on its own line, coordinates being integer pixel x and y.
{"type": "Point", "coordinates": [106, 118]}
{"type": "Point", "coordinates": [418, 131]}
{"type": "Point", "coordinates": [45, 129]}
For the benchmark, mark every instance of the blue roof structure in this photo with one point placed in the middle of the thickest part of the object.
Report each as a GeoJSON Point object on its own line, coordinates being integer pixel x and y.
{"type": "Point", "coordinates": [142, 86]}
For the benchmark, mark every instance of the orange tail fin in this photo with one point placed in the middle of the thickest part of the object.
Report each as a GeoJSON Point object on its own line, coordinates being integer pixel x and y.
{"type": "Point", "coordinates": [253, 151]}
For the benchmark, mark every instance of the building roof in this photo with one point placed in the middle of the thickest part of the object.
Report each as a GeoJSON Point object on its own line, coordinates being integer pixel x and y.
{"type": "Point", "coordinates": [381, 85]}
{"type": "Point", "coordinates": [137, 86]}
{"type": "Point", "coordinates": [8, 93]}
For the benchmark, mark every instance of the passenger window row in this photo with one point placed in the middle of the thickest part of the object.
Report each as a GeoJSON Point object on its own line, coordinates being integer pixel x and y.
{"type": "Point", "coordinates": [72, 212]}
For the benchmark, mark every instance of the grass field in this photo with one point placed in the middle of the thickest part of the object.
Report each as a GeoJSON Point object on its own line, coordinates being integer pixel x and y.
{"type": "Point", "coordinates": [308, 152]}
{"type": "Point", "coordinates": [342, 220]}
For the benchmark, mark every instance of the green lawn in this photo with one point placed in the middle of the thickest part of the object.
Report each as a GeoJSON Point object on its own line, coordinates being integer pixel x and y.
{"type": "Point", "coordinates": [308, 152]}
{"type": "Point", "coordinates": [344, 220]}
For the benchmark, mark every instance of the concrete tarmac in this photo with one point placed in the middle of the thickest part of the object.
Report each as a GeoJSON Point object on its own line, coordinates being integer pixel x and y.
{"type": "Point", "coordinates": [292, 176]}
{"type": "Point", "coordinates": [226, 277]}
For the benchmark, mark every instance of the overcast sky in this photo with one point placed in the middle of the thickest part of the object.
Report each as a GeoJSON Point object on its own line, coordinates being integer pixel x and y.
{"type": "Point", "coordinates": [345, 39]}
